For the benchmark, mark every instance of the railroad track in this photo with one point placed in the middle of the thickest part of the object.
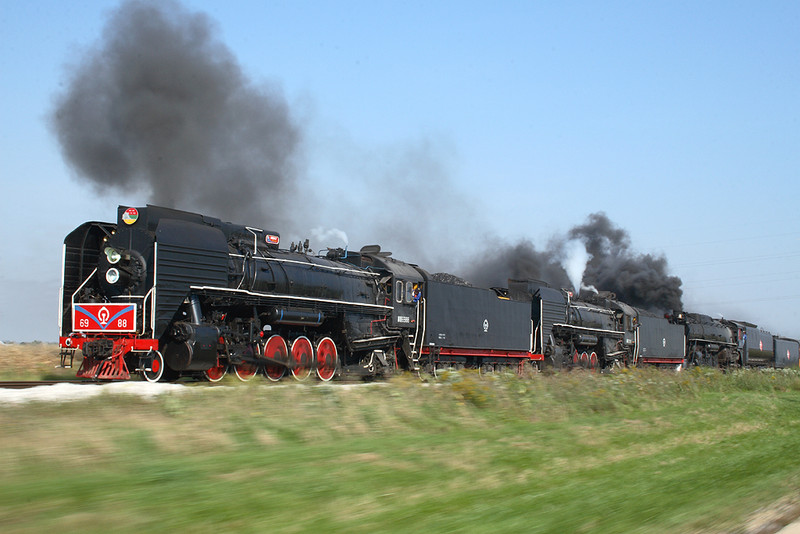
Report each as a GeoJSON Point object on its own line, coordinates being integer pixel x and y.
{"type": "Point", "coordinates": [24, 384]}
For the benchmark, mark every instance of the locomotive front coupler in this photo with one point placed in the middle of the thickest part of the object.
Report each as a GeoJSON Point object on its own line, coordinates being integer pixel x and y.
{"type": "Point", "coordinates": [99, 349]}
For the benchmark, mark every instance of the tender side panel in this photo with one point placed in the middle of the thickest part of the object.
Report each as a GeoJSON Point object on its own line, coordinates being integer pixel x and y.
{"type": "Point", "coordinates": [659, 340]}
{"type": "Point", "coordinates": [468, 317]}
{"type": "Point", "coordinates": [786, 352]}
{"type": "Point", "coordinates": [760, 347]}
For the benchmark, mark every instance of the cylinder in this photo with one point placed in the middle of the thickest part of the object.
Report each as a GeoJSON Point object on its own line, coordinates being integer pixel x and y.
{"type": "Point", "coordinates": [192, 347]}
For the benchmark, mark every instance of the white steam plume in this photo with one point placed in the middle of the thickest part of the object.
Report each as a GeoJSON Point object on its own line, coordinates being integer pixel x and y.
{"type": "Point", "coordinates": [325, 235]}
{"type": "Point", "coordinates": [575, 262]}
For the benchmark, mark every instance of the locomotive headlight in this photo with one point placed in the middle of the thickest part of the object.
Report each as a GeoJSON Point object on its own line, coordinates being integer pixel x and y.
{"type": "Point", "coordinates": [112, 256]}
{"type": "Point", "coordinates": [112, 275]}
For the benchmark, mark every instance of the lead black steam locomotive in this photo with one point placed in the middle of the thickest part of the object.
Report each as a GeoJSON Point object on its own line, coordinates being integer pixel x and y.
{"type": "Point", "coordinates": [169, 293]}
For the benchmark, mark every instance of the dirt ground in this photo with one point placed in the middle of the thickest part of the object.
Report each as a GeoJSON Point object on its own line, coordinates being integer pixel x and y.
{"type": "Point", "coordinates": [782, 517]}
{"type": "Point", "coordinates": [20, 361]}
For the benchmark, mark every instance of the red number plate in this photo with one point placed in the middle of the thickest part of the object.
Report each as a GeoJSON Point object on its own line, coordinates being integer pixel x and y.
{"type": "Point", "coordinates": [104, 317]}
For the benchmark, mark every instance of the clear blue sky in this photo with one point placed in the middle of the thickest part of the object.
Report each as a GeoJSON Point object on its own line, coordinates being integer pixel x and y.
{"type": "Point", "coordinates": [679, 120]}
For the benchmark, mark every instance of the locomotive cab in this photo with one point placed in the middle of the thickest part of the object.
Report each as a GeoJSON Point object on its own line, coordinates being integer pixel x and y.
{"type": "Point", "coordinates": [402, 286]}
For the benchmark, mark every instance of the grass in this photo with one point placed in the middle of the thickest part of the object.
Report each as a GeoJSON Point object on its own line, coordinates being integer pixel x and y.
{"type": "Point", "coordinates": [639, 451]}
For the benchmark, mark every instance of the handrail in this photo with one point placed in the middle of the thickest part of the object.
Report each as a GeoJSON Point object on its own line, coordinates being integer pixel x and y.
{"type": "Point", "coordinates": [144, 311]}
{"type": "Point", "coordinates": [81, 286]}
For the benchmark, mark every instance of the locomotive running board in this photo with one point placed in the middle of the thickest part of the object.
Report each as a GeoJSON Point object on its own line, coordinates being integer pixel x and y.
{"type": "Point", "coordinates": [211, 289]}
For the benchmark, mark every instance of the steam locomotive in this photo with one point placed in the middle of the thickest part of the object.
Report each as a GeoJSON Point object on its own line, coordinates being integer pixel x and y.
{"type": "Point", "coordinates": [169, 293]}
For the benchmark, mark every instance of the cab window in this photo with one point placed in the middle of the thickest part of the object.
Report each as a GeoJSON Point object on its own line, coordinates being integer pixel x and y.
{"type": "Point", "coordinates": [398, 293]}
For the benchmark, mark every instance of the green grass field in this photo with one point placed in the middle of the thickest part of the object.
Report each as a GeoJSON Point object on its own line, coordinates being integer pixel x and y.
{"type": "Point", "coordinates": [639, 451]}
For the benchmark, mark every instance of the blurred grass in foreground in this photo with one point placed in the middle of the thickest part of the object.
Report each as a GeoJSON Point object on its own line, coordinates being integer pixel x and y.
{"type": "Point", "coordinates": [637, 451]}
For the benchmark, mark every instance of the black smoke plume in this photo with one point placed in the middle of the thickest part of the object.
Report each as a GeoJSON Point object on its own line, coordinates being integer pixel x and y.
{"type": "Point", "coordinates": [637, 279]}
{"type": "Point", "coordinates": [160, 106]}
{"type": "Point", "coordinates": [518, 262]}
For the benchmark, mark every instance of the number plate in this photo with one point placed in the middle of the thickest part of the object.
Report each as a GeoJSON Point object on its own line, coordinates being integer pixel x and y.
{"type": "Point", "coordinates": [104, 317]}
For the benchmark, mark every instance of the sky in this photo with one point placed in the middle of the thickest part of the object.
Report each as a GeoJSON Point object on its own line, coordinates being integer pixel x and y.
{"type": "Point", "coordinates": [448, 130]}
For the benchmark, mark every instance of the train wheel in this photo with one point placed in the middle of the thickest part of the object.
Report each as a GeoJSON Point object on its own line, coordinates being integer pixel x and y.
{"type": "Point", "coordinates": [529, 368]}
{"type": "Point", "coordinates": [156, 370]}
{"type": "Point", "coordinates": [216, 373]}
{"type": "Point", "coordinates": [437, 369]}
{"type": "Point", "coordinates": [274, 372]}
{"type": "Point", "coordinates": [245, 371]}
{"type": "Point", "coordinates": [593, 361]}
{"type": "Point", "coordinates": [326, 359]}
{"type": "Point", "coordinates": [275, 349]}
{"type": "Point", "coordinates": [302, 356]}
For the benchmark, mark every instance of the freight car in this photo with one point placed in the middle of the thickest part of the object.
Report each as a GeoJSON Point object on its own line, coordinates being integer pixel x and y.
{"type": "Point", "coordinates": [170, 293]}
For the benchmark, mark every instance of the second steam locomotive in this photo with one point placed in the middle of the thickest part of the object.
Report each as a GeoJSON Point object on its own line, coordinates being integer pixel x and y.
{"type": "Point", "coordinates": [169, 293]}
